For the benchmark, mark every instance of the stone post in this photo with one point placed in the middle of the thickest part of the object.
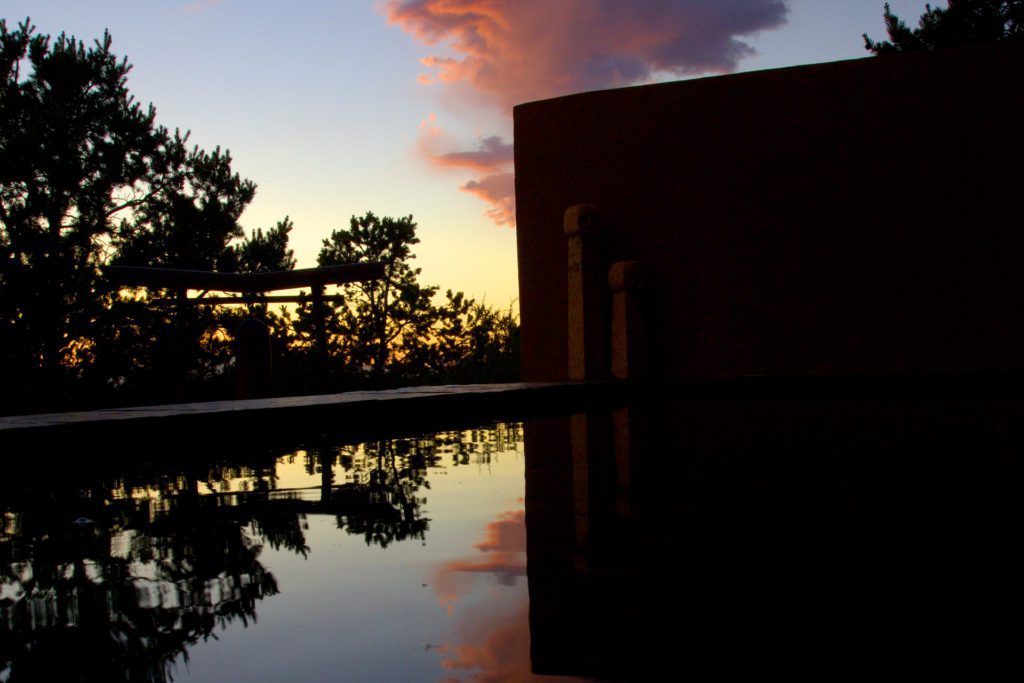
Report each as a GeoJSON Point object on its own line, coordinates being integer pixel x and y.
{"type": "Point", "coordinates": [629, 361]}
{"type": "Point", "coordinates": [588, 332]}
{"type": "Point", "coordinates": [593, 481]}
{"type": "Point", "coordinates": [629, 353]}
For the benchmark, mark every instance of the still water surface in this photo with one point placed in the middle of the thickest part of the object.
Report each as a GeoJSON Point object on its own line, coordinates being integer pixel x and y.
{"type": "Point", "coordinates": [400, 560]}
{"type": "Point", "coordinates": [756, 538]}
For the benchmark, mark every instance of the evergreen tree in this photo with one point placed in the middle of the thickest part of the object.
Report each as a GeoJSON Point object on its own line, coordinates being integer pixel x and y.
{"type": "Point", "coordinates": [264, 252]}
{"type": "Point", "coordinates": [87, 179]}
{"type": "Point", "coordinates": [962, 22]}
{"type": "Point", "coordinates": [191, 218]}
{"type": "Point", "coordinates": [77, 152]}
{"type": "Point", "coordinates": [380, 320]}
{"type": "Point", "coordinates": [470, 343]}
{"type": "Point", "coordinates": [391, 331]}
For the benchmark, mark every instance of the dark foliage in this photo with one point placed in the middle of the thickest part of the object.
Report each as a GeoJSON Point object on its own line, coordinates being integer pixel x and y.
{"type": "Point", "coordinates": [78, 151]}
{"type": "Point", "coordinates": [88, 179]}
{"type": "Point", "coordinates": [380, 319]}
{"type": "Point", "coordinates": [962, 22]}
{"type": "Point", "coordinates": [391, 331]}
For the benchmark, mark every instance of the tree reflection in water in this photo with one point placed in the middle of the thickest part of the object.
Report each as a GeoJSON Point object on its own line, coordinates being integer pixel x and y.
{"type": "Point", "coordinates": [114, 579]}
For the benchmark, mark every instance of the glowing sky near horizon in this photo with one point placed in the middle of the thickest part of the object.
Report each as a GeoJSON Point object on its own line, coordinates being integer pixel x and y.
{"type": "Point", "coordinates": [338, 108]}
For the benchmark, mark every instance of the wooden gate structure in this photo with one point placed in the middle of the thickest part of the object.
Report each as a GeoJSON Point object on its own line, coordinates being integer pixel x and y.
{"type": "Point", "coordinates": [252, 343]}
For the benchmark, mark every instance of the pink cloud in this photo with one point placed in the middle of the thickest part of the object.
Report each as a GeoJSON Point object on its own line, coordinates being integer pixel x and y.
{"type": "Point", "coordinates": [512, 51]}
{"type": "Point", "coordinates": [494, 636]}
{"type": "Point", "coordinates": [505, 559]}
{"type": "Point", "coordinates": [199, 6]}
{"type": "Point", "coordinates": [506, 534]}
{"type": "Point", "coordinates": [505, 567]}
{"type": "Point", "coordinates": [498, 190]}
{"type": "Point", "coordinates": [518, 50]}
{"type": "Point", "coordinates": [502, 655]}
{"type": "Point", "coordinates": [491, 154]}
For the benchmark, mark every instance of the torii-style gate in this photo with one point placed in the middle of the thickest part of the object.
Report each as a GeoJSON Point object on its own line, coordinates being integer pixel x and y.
{"type": "Point", "coordinates": [252, 344]}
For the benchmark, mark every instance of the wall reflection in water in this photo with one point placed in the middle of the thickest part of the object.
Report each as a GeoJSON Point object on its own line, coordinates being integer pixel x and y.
{"type": "Point", "coordinates": [116, 577]}
{"type": "Point", "coordinates": [815, 540]}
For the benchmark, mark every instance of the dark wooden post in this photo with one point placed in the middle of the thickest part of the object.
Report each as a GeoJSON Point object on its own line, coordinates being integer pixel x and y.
{"type": "Point", "coordinates": [253, 359]}
{"type": "Point", "coordinates": [179, 370]}
{"type": "Point", "coordinates": [320, 328]}
{"type": "Point", "coordinates": [588, 333]}
{"type": "Point", "coordinates": [326, 459]}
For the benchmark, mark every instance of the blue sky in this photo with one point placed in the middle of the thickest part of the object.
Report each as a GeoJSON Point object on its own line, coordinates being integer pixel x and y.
{"type": "Point", "coordinates": [322, 106]}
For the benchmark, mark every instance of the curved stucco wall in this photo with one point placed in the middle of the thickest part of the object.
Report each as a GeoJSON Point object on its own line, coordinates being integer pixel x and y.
{"type": "Point", "coordinates": [858, 216]}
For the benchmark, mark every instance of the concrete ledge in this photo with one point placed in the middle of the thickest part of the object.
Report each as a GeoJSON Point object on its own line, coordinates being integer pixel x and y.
{"type": "Point", "coordinates": [360, 415]}
{"type": "Point", "coordinates": [201, 430]}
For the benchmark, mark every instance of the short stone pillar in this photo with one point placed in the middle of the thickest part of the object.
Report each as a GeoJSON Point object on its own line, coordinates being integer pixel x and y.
{"type": "Point", "coordinates": [629, 352]}
{"type": "Point", "coordinates": [253, 364]}
{"type": "Point", "coordinates": [588, 332]}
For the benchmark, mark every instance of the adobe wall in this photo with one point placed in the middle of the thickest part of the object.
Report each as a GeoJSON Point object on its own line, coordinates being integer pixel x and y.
{"type": "Point", "coordinates": [858, 216]}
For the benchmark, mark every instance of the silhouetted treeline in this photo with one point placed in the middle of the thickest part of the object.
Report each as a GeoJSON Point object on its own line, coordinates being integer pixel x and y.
{"type": "Point", "coordinates": [88, 179]}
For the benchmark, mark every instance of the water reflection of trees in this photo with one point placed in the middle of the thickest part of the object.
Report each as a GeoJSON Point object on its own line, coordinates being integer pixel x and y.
{"type": "Point", "coordinates": [105, 597]}
{"type": "Point", "coordinates": [114, 578]}
{"type": "Point", "coordinates": [378, 498]}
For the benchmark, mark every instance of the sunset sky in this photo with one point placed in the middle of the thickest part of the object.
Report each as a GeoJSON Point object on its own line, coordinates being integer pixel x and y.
{"type": "Point", "coordinates": [404, 107]}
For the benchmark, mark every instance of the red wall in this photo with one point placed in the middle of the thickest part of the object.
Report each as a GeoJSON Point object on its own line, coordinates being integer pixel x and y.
{"type": "Point", "coordinates": [859, 216]}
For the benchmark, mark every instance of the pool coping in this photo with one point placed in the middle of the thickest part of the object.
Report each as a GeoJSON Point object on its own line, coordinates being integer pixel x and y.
{"type": "Point", "coordinates": [413, 409]}
{"type": "Point", "coordinates": [349, 416]}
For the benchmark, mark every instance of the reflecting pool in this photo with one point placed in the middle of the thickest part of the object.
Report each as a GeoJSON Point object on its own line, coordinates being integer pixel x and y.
{"type": "Point", "coordinates": [724, 535]}
{"type": "Point", "coordinates": [398, 559]}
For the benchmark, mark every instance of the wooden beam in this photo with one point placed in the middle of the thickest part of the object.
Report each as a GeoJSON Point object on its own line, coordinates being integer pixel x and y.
{"type": "Point", "coordinates": [250, 299]}
{"type": "Point", "coordinates": [170, 278]}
